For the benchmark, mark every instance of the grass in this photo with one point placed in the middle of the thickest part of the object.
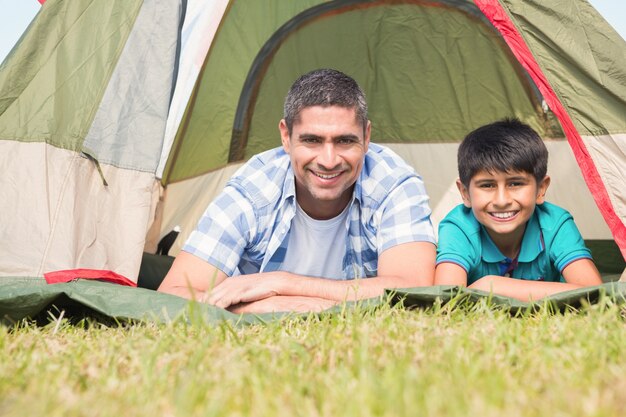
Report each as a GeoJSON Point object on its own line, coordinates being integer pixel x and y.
{"type": "Point", "coordinates": [388, 361]}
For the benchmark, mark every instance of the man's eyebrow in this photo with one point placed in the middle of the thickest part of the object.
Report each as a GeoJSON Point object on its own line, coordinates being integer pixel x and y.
{"type": "Point", "coordinates": [308, 136]}
{"type": "Point", "coordinates": [347, 136]}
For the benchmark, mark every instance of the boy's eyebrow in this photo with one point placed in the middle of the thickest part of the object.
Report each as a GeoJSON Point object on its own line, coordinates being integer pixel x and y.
{"type": "Point", "coordinates": [480, 180]}
{"type": "Point", "coordinates": [518, 178]}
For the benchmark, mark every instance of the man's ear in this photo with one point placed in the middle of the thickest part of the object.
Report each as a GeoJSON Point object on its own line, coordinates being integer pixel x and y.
{"type": "Point", "coordinates": [367, 135]}
{"type": "Point", "coordinates": [284, 134]}
{"type": "Point", "coordinates": [464, 193]}
{"type": "Point", "coordinates": [542, 188]}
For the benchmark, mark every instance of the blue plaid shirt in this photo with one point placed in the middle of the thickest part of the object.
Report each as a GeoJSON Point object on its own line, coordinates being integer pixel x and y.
{"type": "Point", "coordinates": [245, 229]}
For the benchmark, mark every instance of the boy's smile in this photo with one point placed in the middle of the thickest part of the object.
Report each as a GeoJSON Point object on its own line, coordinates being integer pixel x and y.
{"type": "Point", "coordinates": [503, 203]}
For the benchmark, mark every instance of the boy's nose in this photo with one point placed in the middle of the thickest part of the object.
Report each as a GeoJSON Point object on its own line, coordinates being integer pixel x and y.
{"type": "Point", "coordinates": [502, 198]}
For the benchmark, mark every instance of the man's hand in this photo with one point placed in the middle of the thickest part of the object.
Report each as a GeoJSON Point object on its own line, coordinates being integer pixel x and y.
{"type": "Point", "coordinates": [246, 289]}
{"type": "Point", "coordinates": [298, 304]}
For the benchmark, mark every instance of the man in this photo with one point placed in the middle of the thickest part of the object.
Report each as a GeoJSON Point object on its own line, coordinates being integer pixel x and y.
{"type": "Point", "coordinates": [297, 226]}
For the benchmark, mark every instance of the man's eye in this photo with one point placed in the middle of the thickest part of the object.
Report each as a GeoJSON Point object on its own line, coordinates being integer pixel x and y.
{"type": "Point", "coordinates": [345, 141]}
{"type": "Point", "coordinates": [310, 140]}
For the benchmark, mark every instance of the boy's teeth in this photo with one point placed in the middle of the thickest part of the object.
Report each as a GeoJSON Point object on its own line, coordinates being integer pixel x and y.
{"type": "Point", "coordinates": [504, 215]}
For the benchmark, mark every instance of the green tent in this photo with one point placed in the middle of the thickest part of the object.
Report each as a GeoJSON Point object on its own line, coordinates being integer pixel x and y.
{"type": "Point", "coordinates": [122, 119]}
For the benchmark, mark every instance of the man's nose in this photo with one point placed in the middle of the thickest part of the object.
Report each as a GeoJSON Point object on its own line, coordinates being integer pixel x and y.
{"type": "Point", "coordinates": [328, 157]}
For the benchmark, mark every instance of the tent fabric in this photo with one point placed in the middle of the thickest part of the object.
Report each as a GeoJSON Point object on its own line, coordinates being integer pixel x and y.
{"type": "Point", "coordinates": [127, 130]}
{"type": "Point", "coordinates": [98, 97]}
{"type": "Point", "coordinates": [578, 78]}
{"type": "Point", "coordinates": [409, 49]}
{"type": "Point", "coordinates": [201, 22]}
{"type": "Point", "coordinates": [24, 297]}
{"type": "Point", "coordinates": [50, 87]}
{"type": "Point", "coordinates": [57, 214]}
{"type": "Point", "coordinates": [73, 122]}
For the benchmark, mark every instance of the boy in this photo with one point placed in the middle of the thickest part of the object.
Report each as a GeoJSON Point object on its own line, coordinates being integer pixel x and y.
{"type": "Point", "coordinates": [505, 238]}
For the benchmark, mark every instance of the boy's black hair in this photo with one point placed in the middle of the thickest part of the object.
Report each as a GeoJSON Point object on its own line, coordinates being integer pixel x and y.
{"type": "Point", "coordinates": [506, 145]}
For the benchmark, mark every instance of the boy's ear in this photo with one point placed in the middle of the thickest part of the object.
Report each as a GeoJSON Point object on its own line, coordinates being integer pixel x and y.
{"type": "Point", "coordinates": [464, 193]}
{"type": "Point", "coordinates": [542, 188]}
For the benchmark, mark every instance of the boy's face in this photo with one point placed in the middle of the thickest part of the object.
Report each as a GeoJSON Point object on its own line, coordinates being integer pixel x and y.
{"type": "Point", "coordinates": [504, 201]}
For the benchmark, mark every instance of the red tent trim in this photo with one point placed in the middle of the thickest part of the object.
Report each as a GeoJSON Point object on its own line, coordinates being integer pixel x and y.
{"type": "Point", "coordinates": [500, 19]}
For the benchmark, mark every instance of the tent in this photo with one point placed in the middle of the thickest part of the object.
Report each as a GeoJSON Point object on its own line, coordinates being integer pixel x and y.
{"type": "Point", "coordinates": [120, 120]}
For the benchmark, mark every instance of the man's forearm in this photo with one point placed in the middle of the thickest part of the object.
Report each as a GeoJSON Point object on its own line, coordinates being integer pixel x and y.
{"type": "Point", "coordinates": [185, 292]}
{"type": "Point", "coordinates": [298, 304]}
{"type": "Point", "coordinates": [254, 287]}
{"type": "Point", "coordinates": [342, 290]}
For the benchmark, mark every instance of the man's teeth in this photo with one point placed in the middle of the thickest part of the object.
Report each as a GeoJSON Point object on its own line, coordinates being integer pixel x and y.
{"type": "Point", "coordinates": [504, 215]}
{"type": "Point", "coordinates": [327, 176]}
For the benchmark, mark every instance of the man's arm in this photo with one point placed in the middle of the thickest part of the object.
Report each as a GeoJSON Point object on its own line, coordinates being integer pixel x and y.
{"type": "Point", "coordinates": [402, 266]}
{"type": "Point", "coordinates": [191, 277]}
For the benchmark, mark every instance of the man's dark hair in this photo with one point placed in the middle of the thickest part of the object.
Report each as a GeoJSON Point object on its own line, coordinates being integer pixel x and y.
{"type": "Point", "coordinates": [324, 87]}
{"type": "Point", "coordinates": [506, 145]}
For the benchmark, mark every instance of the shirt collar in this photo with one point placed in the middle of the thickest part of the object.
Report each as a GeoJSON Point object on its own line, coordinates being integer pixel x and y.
{"type": "Point", "coordinates": [289, 188]}
{"type": "Point", "coordinates": [532, 243]}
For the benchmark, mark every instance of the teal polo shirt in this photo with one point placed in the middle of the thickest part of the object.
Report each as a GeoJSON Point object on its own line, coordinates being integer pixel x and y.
{"type": "Point", "coordinates": [551, 242]}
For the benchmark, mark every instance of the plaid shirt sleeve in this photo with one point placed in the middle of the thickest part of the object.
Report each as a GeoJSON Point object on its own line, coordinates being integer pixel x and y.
{"type": "Point", "coordinates": [405, 216]}
{"type": "Point", "coordinates": [224, 231]}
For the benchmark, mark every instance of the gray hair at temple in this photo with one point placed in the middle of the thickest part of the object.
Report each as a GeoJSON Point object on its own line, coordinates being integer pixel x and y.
{"type": "Point", "coordinates": [324, 87]}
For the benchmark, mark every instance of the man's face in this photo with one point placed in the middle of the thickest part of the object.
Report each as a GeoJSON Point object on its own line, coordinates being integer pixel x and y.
{"type": "Point", "coordinates": [503, 202]}
{"type": "Point", "coordinates": [327, 147]}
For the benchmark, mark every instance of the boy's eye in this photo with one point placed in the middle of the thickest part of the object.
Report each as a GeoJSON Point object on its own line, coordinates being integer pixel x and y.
{"type": "Point", "coordinates": [486, 185]}
{"type": "Point", "coordinates": [516, 184]}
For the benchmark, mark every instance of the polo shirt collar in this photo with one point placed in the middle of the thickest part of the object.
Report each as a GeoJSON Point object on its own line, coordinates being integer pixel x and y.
{"type": "Point", "coordinates": [532, 243]}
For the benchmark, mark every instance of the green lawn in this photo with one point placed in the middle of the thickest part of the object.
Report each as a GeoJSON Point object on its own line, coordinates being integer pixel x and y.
{"type": "Point", "coordinates": [470, 360]}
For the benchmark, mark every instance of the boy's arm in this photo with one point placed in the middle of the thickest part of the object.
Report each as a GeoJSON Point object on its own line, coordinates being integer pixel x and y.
{"type": "Point", "coordinates": [521, 289]}
{"type": "Point", "coordinates": [582, 272]}
{"type": "Point", "coordinates": [578, 274]}
{"type": "Point", "coordinates": [448, 273]}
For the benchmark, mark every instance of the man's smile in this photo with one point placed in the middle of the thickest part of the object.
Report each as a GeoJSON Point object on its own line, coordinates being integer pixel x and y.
{"type": "Point", "coordinates": [326, 176]}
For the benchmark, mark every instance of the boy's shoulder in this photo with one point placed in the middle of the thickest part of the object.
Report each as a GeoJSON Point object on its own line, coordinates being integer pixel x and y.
{"type": "Point", "coordinates": [463, 217]}
{"type": "Point", "coordinates": [551, 216]}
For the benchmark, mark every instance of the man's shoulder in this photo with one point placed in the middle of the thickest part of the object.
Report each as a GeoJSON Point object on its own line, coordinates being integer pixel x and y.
{"type": "Point", "coordinates": [383, 171]}
{"type": "Point", "coordinates": [383, 157]}
{"type": "Point", "coordinates": [262, 179]}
